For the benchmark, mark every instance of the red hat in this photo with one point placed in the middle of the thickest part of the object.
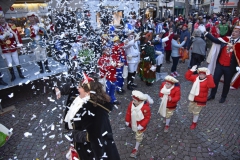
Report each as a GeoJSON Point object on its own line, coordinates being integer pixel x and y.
{"type": "Point", "coordinates": [216, 23]}
{"type": "Point", "coordinates": [185, 25]}
{"type": "Point", "coordinates": [235, 20]}
{"type": "Point", "coordinates": [86, 80]}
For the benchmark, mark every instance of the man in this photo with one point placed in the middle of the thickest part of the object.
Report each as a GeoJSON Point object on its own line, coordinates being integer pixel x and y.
{"type": "Point", "coordinates": [223, 27]}
{"type": "Point", "coordinates": [228, 60]}
{"type": "Point", "coordinates": [133, 57]}
{"type": "Point", "coordinates": [10, 41]}
{"type": "Point", "coordinates": [38, 35]}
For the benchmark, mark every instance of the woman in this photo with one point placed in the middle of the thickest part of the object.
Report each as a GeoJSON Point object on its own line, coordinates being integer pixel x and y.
{"type": "Point", "coordinates": [175, 55]}
{"type": "Point", "coordinates": [168, 47]}
{"type": "Point", "coordinates": [89, 112]}
{"type": "Point", "coordinates": [198, 46]}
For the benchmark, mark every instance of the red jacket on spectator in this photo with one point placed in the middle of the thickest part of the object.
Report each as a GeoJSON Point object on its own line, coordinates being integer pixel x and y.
{"type": "Point", "coordinates": [146, 113]}
{"type": "Point", "coordinates": [168, 43]}
{"type": "Point", "coordinates": [215, 32]}
{"type": "Point", "coordinates": [204, 86]}
{"type": "Point", "coordinates": [175, 95]}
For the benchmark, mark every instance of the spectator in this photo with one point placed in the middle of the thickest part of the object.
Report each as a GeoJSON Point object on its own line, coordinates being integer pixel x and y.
{"type": "Point", "coordinates": [223, 28]}
{"type": "Point", "coordinates": [198, 46]}
{"type": "Point", "coordinates": [175, 54]}
{"type": "Point", "coordinates": [168, 45]}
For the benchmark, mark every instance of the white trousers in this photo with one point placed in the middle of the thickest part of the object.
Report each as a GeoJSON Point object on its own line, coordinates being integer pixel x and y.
{"type": "Point", "coordinates": [11, 56]}
{"type": "Point", "coordinates": [132, 67]}
{"type": "Point", "coordinates": [40, 53]}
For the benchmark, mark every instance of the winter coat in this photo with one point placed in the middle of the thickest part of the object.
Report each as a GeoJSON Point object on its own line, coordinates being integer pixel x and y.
{"type": "Point", "coordinates": [146, 113]}
{"type": "Point", "coordinates": [175, 48]}
{"type": "Point", "coordinates": [175, 94]}
{"type": "Point", "coordinates": [185, 33]}
{"type": "Point", "coordinates": [95, 120]}
{"type": "Point", "coordinates": [204, 86]}
{"type": "Point", "coordinates": [198, 46]}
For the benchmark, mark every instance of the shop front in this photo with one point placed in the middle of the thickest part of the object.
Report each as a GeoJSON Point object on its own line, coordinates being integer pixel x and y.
{"type": "Point", "coordinates": [179, 8]}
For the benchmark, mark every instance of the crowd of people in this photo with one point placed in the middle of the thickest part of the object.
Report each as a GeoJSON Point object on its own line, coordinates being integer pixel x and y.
{"type": "Point", "coordinates": [118, 52]}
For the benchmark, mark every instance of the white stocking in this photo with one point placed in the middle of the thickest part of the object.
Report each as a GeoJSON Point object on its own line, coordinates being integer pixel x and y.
{"type": "Point", "coordinates": [167, 122]}
{"type": "Point", "coordinates": [137, 145]}
{"type": "Point", "coordinates": [195, 118]}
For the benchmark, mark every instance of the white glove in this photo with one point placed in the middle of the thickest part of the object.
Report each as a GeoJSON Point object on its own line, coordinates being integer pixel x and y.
{"type": "Point", "coordinates": [208, 72]}
{"type": "Point", "coordinates": [139, 127]}
{"type": "Point", "coordinates": [137, 37]}
{"type": "Point", "coordinates": [238, 69]}
{"type": "Point", "coordinates": [157, 38]}
{"type": "Point", "coordinates": [19, 45]}
{"type": "Point", "coordinates": [127, 123]}
{"type": "Point", "coordinates": [193, 69]}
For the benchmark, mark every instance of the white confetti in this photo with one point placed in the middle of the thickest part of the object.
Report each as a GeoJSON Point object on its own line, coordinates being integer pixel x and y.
{"type": "Point", "coordinates": [44, 147]}
{"type": "Point", "coordinates": [104, 133]}
{"type": "Point", "coordinates": [27, 134]}
{"type": "Point", "coordinates": [11, 95]}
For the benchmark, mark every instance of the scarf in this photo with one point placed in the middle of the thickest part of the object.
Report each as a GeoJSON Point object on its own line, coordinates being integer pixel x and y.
{"type": "Point", "coordinates": [74, 108]}
{"type": "Point", "coordinates": [195, 89]}
{"type": "Point", "coordinates": [136, 115]}
{"type": "Point", "coordinates": [163, 105]}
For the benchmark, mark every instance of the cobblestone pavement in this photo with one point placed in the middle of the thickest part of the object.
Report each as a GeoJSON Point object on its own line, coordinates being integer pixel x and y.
{"type": "Point", "coordinates": [216, 137]}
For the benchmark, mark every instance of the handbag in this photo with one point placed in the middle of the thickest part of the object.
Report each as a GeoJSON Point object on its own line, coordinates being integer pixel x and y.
{"type": "Point", "coordinates": [185, 54]}
{"type": "Point", "coordinates": [180, 52]}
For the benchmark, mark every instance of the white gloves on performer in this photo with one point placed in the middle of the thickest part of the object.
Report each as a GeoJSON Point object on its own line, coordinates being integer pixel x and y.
{"type": "Point", "coordinates": [208, 72]}
{"type": "Point", "coordinates": [139, 127]}
{"type": "Point", "coordinates": [194, 68]}
{"type": "Point", "coordinates": [238, 69]}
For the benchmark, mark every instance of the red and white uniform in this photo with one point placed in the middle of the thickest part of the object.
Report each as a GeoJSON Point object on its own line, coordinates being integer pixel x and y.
{"type": "Point", "coordinates": [205, 85]}
{"type": "Point", "coordinates": [175, 95]}
{"type": "Point", "coordinates": [107, 65]}
{"type": "Point", "coordinates": [10, 43]}
{"type": "Point", "coordinates": [145, 111]}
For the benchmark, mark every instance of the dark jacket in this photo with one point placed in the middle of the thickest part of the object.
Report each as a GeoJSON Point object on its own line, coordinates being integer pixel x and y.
{"type": "Point", "coordinates": [95, 120]}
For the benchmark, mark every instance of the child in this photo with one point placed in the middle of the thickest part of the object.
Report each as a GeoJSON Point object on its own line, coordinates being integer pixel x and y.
{"type": "Point", "coordinates": [170, 94]}
{"type": "Point", "coordinates": [138, 116]}
{"type": "Point", "coordinates": [199, 92]}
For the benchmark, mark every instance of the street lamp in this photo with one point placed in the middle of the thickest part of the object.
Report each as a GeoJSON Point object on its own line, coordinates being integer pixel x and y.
{"type": "Point", "coordinates": [166, 1]}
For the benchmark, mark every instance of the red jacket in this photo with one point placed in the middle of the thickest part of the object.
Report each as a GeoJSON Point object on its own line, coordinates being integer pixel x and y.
{"type": "Point", "coordinates": [175, 94]}
{"type": "Point", "coordinates": [10, 44]}
{"type": "Point", "coordinates": [106, 67]}
{"type": "Point", "coordinates": [215, 32]}
{"type": "Point", "coordinates": [146, 112]}
{"type": "Point", "coordinates": [204, 86]}
{"type": "Point", "coordinates": [168, 43]}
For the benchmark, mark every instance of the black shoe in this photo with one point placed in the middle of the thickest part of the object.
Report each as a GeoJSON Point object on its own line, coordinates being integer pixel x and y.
{"type": "Point", "coordinates": [116, 103]}
{"type": "Point", "coordinates": [2, 82]}
{"type": "Point", "coordinates": [120, 92]}
{"type": "Point", "coordinates": [133, 84]}
{"type": "Point", "coordinates": [129, 87]}
{"type": "Point", "coordinates": [149, 84]}
{"type": "Point", "coordinates": [222, 100]}
{"type": "Point", "coordinates": [210, 98]}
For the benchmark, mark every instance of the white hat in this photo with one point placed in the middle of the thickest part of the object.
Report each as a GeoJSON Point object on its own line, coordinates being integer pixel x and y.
{"type": "Point", "coordinates": [171, 79]}
{"type": "Point", "coordinates": [139, 96]}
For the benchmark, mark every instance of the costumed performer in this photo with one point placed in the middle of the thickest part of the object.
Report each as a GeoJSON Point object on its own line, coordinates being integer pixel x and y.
{"type": "Point", "coordinates": [138, 116]}
{"type": "Point", "coordinates": [170, 94]}
{"type": "Point", "coordinates": [202, 82]}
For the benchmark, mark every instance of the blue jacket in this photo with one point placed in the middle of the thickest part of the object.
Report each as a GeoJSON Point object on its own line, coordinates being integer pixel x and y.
{"type": "Point", "coordinates": [175, 48]}
{"type": "Point", "coordinates": [185, 33]}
